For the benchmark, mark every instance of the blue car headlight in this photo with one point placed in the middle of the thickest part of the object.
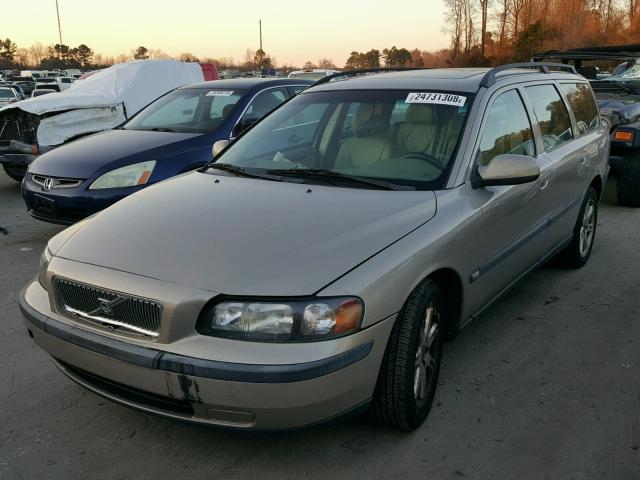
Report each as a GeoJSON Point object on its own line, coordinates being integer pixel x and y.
{"type": "Point", "coordinates": [129, 176]}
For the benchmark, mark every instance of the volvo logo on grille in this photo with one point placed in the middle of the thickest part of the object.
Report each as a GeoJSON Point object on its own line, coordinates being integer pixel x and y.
{"type": "Point", "coordinates": [106, 306]}
{"type": "Point", "coordinates": [48, 184]}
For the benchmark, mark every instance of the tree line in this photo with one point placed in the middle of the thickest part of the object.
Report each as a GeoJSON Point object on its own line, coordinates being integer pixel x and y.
{"type": "Point", "coordinates": [489, 32]}
{"type": "Point", "coordinates": [481, 33]}
{"type": "Point", "coordinates": [62, 57]}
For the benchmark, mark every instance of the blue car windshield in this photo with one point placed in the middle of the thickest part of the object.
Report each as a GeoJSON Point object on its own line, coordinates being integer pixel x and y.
{"type": "Point", "coordinates": [187, 110]}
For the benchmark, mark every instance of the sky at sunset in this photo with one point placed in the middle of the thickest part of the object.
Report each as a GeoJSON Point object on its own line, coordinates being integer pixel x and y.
{"type": "Point", "coordinates": [293, 31]}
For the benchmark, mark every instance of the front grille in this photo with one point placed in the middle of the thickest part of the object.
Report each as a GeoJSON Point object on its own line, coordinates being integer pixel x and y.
{"type": "Point", "coordinates": [56, 182]}
{"type": "Point", "coordinates": [108, 308]}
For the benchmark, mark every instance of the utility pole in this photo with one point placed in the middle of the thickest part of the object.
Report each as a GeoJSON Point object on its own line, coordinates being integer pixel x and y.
{"type": "Point", "coordinates": [259, 25]}
{"type": "Point", "coordinates": [59, 29]}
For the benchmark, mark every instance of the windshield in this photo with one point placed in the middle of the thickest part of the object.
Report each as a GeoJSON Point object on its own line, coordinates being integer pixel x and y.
{"type": "Point", "coordinates": [188, 110]}
{"type": "Point", "coordinates": [626, 71]}
{"type": "Point", "coordinates": [405, 137]}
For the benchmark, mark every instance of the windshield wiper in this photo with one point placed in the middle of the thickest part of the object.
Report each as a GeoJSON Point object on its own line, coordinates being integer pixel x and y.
{"type": "Point", "coordinates": [331, 175]}
{"type": "Point", "coordinates": [240, 172]}
{"type": "Point", "coordinates": [161, 129]}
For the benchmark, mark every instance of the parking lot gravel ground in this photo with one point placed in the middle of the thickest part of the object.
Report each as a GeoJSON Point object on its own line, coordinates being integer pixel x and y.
{"type": "Point", "coordinates": [544, 386]}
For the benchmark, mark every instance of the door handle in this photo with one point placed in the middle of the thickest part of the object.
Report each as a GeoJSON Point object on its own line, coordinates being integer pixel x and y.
{"type": "Point", "coordinates": [545, 180]}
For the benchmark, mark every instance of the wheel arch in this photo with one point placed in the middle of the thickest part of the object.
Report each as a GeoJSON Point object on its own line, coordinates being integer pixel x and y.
{"type": "Point", "coordinates": [450, 284]}
{"type": "Point", "coordinates": [597, 185]}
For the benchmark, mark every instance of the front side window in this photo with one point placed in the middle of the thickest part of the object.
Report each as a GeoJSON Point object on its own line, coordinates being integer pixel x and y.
{"type": "Point", "coordinates": [552, 115]}
{"type": "Point", "coordinates": [400, 137]}
{"type": "Point", "coordinates": [195, 110]}
{"type": "Point", "coordinates": [583, 105]}
{"type": "Point", "coordinates": [507, 129]}
{"type": "Point", "coordinates": [6, 94]}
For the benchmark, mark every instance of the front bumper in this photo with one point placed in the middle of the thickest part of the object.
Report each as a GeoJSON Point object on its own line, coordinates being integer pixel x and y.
{"type": "Point", "coordinates": [66, 206]}
{"type": "Point", "coordinates": [241, 395]}
{"type": "Point", "coordinates": [17, 153]}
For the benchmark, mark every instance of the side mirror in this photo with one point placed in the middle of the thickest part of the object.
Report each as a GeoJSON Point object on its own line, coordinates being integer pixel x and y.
{"type": "Point", "coordinates": [218, 147]}
{"type": "Point", "coordinates": [242, 126]}
{"type": "Point", "coordinates": [507, 169]}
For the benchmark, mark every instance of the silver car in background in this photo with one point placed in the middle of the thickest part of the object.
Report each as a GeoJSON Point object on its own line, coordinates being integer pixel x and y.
{"type": "Point", "coordinates": [317, 266]}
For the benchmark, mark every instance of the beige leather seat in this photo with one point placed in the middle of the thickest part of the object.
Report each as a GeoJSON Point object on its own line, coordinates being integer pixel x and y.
{"type": "Point", "coordinates": [448, 139]}
{"type": "Point", "coordinates": [371, 142]}
{"type": "Point", "coordinates": [420, 132]}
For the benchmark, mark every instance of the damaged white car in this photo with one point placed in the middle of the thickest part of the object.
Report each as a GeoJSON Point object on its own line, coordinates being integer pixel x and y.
{"type": "Point", "coordinates": [100, 102]}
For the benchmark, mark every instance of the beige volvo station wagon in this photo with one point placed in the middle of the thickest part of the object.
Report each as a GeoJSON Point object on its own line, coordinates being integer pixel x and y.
{"type": "Point", "coordinates": [316, 266]}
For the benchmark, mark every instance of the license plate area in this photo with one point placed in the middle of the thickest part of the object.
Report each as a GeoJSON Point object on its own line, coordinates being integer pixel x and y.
{"type": "Point", "coordinates": [43, 204]}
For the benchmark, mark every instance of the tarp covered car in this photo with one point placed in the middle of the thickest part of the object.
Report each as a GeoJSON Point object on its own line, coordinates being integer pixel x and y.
{"type": "Point", "coordinates": [100, 102]}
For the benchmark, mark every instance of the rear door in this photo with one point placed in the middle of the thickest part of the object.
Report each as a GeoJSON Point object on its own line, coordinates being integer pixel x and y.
{"type": "Point", "coordinates": [564, 182]}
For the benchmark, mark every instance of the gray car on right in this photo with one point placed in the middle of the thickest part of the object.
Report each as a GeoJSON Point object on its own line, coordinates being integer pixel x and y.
{"type": "Point", "coordinates": [316, 267]}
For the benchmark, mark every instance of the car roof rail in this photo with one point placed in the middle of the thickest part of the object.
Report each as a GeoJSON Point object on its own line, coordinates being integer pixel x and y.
{"type": "Point", "coordinates": [490, 77]}
{"type": "Point", "coordinates": [364, 71]}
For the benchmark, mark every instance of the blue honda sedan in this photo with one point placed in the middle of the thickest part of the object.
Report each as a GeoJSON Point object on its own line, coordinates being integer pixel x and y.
{"type": "Point", "coordinates": [172, 135]}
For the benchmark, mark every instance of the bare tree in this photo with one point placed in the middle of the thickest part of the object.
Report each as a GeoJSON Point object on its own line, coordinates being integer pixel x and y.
{"type": "Point", "coordinates": [37, 52]}
{"type": "Point", "coordinates": [455, 24]}
{"type": "Point", "coordinates": [22, 57]}
{"type": "Point", "coordinates": [484, 13]}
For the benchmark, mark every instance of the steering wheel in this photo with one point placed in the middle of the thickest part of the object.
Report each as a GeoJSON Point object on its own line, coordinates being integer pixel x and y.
{"type": "Point", "coordinates": [424, 157]}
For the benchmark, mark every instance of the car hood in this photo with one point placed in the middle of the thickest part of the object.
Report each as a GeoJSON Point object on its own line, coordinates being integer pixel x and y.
{"type": "Point", "coordinates": [111, 149]}
{"type": "Point", "coordinates": [620, 111]}
{"type": "Point", "coordinates": [241, 236]}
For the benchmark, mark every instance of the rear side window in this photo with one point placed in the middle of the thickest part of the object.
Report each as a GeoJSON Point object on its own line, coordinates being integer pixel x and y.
{"type": "Point", "coordinates": [552, 115]}
{"type": "Point", "coordinates": [507, 129]}
{"type": "Point", "coordinates": [583, 105]}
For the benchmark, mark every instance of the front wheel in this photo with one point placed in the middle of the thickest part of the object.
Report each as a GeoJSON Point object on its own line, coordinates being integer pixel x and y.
{"type": "Point", "coordinates": [578, 252]}
{"type": "Point", "coordinates": [16, 172]}
{"type": "Point", "coordinates": [409, 373]}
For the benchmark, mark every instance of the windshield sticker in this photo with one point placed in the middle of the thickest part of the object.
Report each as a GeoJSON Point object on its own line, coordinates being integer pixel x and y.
{"type": "Point", "coordinates": [219, 93]}
{"type": "Point", "coordinates": [436, 98]}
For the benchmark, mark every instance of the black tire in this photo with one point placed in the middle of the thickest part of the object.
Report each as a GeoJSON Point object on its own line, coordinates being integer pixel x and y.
{"type": "Point", "coordinates": [395, 402]}
{"type": "Point", "coordinates": [577, 254]}
{"type": "Point", "coordinates": [16, 172]}
{"type": "Point", "coordinates": [628, 176]}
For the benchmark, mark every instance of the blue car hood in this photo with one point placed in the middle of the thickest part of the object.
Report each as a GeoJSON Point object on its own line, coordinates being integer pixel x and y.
{"type": "Point", "coordinates": [93, 155]}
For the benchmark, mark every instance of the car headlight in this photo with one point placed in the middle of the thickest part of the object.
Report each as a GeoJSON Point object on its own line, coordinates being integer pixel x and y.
{"type": "Point", "coordinates": [282, 321]}
{"type": "Point", "coordinates": [45, 258]}
{"type": "Point", "coordinates": [129, 176]}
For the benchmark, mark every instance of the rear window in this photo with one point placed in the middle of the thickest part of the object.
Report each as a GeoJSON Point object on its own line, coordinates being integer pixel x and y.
{"type": "Point", "coordinates": [552, 115]}
{"type": "Point", "coordinates": [583, 105]}
{"type": "Point", "coordinates": [308, 75]}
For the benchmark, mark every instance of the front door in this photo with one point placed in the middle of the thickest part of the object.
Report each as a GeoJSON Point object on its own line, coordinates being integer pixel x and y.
{"type": "Point", "coordinates": [513, 234]}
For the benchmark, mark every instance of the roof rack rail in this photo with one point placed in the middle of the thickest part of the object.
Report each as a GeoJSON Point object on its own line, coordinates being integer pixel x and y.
{"type": "Point", "coordinates": [364, 71]}
{"type": "Point", "coordinates": [490, 77]}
